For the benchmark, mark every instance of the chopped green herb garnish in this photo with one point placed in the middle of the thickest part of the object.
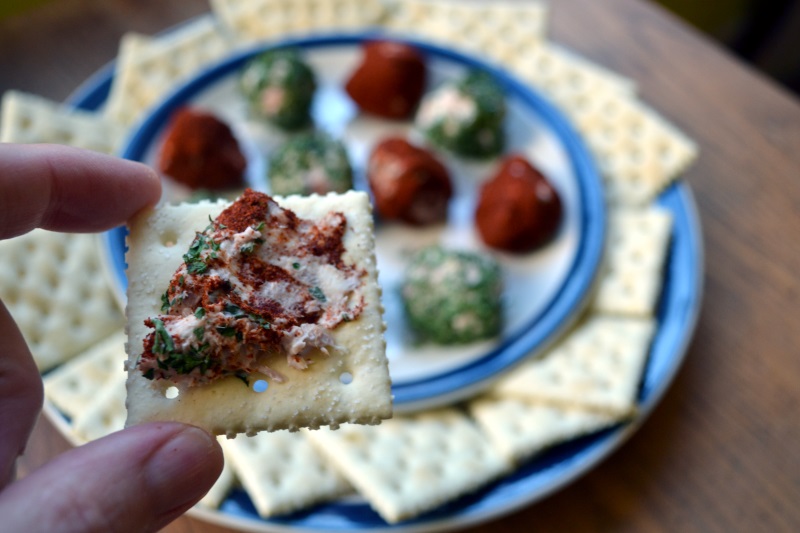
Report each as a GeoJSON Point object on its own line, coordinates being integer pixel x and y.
{"type": "Point", "coordinates": [226, 331]}
{"type": "Point", "coordinates": [199, 312]}
{"type": "Point", "coordinates": [165, 305]}
{"type": "Point", "coordinates": [248, 248]}
{"type": "Point", "coordinates": [163, 340]}
{"type": "Point", "coordinates": [260, 226]}
{"type": "Point", "coordinates": [317, 293]}
{"type": "Point", "coordinates": [296, 266]}
{"type": "Point", "coordinates": [150, 374]}
{"type": "Point", "coordinates": [199, 332]}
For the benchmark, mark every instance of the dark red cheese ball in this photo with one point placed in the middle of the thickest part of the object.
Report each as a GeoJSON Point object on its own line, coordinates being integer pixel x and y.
{"type": "Point", "coordinates": [518, 209]}
{"type": "Point", "coordinates": [201, 152]}
{"type": "Point", "coordinates": [390, 80]}
{"type": "Point", "coordinates": [408, 183]}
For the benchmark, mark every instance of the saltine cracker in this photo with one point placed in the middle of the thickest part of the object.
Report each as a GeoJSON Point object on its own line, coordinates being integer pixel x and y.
{"type": "Point", "coordinates": [411, 464]}
{"type": "Point", "coordinates": [311, 398]}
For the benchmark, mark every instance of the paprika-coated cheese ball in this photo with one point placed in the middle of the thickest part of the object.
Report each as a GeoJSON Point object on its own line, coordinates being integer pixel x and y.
{"type": "Point", "coordinates": [408, 183]}
{"type": "Point", "coordinates": [390, 80]}
{"type": "Point", "coordinates": [201, 152]}
{"type": "Point", "coordinates": [518, 209]}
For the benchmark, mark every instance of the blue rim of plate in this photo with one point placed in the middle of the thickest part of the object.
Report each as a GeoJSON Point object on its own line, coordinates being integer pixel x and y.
{"type": "Point", "coordinates": [460, 382]}
{"type": "Point", "coordinates": [677, 315]}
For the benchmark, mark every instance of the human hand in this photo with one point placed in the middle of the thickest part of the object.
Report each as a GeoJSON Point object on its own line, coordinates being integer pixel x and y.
{"type": "Point", "coordinates": [138, 479]}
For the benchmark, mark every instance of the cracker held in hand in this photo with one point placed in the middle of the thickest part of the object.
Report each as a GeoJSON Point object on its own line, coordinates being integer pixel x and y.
{"type": "Point", "coordinates": [225, 300]}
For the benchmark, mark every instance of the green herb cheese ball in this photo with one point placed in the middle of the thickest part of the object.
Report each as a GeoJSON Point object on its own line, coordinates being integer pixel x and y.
{"type": "Point", "coordinates": [453, 297]}
{"type": "Point", "coordinates": [279, 87]}
{"type": "Point", "coordinates": [312, 162]}
{"type": "Point", "coordinates": [466, 117]}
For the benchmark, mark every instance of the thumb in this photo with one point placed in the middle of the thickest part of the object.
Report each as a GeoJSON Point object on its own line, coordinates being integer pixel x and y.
{"type": "Point", "coordinates": [138, 479]}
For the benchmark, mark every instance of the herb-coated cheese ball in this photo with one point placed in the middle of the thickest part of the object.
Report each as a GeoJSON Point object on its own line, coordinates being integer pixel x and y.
{"type": "Point", "coordinates": [466, 117]}
{"type": "Point", "coordinates": [453, 297]}
{"type": "Point", "coordinates": [279, 87]}
{"type": "Point", "coordinates": [311, 162]}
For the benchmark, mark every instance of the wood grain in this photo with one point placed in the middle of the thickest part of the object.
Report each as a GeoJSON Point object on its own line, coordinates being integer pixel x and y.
{"type": "Point", "coordinates": [720, 453]}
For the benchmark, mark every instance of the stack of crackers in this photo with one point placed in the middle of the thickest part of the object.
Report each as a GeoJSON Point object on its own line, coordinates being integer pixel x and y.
{"type": "Point", "coordinates": [589, 380]}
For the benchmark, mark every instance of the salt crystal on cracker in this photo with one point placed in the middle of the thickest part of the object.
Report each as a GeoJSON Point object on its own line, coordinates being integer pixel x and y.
{"type": "Point", "coordinates": [73, 386]}
{"type": "Point", "coordinates": [597, 366]}
{"type": "Point", "coordinates": [316, 396]}
{"type": "Point", "coordinates": [282, 472]}
{"type": "Point", "coordinates": [27, 118]}
{"type": "Point", "coordinates": [260, 20]}
{"type": "Point", "coordinates": [411, 464]}
{"type": "Point", "coordinates": [499, 30]}
{"type": "Point", "coordinates": [148, 68]}
{"type": "Point", "coordinates": [632, 274]}
{"type": "Point", "coordinates": [520, 429]}
{"type": "Point", "coordinates": [53, 286]}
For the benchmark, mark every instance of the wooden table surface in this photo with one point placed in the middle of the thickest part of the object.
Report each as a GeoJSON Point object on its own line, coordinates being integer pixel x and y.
{"type": "Point", "coordinates": [722, 450]}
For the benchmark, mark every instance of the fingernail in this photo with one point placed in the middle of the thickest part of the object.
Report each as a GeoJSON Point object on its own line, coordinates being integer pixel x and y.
{"type": "Point", "coordinates": [183, 469]}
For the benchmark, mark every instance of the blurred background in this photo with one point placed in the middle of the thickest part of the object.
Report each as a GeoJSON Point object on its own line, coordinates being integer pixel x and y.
{"type": "Point", "coordinates": [764, 33]}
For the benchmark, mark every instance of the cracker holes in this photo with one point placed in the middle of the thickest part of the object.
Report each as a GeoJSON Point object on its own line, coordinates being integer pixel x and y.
{"type": "Point", "coordinates": [260, 386]}
{"type": "Point", "coordinates": [169, 238]}
{"type": "Point", "coordinates": [171, 393]}
{"type": "Point", "coordinates": [346, 378]}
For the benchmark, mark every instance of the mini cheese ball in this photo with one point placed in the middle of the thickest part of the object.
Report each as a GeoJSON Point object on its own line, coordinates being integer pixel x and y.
{"type": "Point", "coordinates": [279, 87]}
{"type": "Point", "coordinates": [408, 183]}
{"type": "Point", "coordinates": [518, 208]}
{"type": "Point", "coordinates": [466, 117]}
{"type": "Point", "coordinates": [390, 80]}
{"type": "Point", "coordinates": [453, 296]}
{"type": "Point", "coordinates": [200, 151]}
{"type": "Point", "coordinates": [310, 163]}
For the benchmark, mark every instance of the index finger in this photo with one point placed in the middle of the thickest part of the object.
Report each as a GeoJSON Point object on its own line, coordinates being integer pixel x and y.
{"type": "Point", "coordinates": [69, 189]}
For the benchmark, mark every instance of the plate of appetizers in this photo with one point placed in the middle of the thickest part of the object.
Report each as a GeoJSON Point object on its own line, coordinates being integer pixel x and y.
{"type": "Point", "coordinates": [473, 280]}
{"type": "Point", "coordinates": [515, 291]}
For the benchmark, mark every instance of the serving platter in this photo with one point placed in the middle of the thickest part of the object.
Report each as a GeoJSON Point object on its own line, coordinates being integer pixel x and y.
{"type": "Point", "coordinates": [544, 289]}
{"type": "Point", "coordinates": [574, 260]}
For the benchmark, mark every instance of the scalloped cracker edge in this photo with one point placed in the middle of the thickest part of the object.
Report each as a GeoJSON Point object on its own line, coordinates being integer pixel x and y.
{"type": "Point", "coordinates": [282, 472]}
{"type": "Point", "coordinates": [411, 464]}
{"type": "Point", "coordinates": [520, 429]}
{"type": "Point", "coordinates": [500, 31]}
{"type": "Point", "coordinates": [147, 68]}
{"type": "Point", "coordinates": [310, 398]}
{"type": "Point", "coordinates": [27, 118]}
{"type": "Point", "coordinates": [598, 367]}
{"type": "Point", "coordinates": [260, 20]}
{"type": "Point", "coordinates": [53, 286]}
{"type": "Point", "coordinates": [632, 274]}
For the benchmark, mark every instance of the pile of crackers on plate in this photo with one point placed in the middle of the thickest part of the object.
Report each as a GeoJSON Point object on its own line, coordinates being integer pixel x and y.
{"type": "Point", "coordinates": [589, 380]}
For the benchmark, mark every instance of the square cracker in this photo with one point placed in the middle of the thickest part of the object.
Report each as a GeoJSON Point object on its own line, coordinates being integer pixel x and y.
{"type": "Point", "coordinates": [282, 472]}
{"type": "Point", "coordinates": [598, 366]}
{"type": "Point", "coordinates": [310, 398]}
{"type": "Point", "coordinates": [520, 429]}
{"type": "Point", "coordinates": [260, 20]}
{"type": "Point", "coordinates": [147, 68]}
{"type": "Point", "coordinates": [73, 386]}
{"type": "Point", "coordinates": [411, 464]}
{"type": "Point", "coordinates": [27, 118]}
{"type": "Point", "coordinates": [53, 285]}
{"type": "Point", "coordinates": [501, 30]}
{"type": "Point", "coordinates": [106, 412]}
{"type": "Point", "coordinates": [633, 267]}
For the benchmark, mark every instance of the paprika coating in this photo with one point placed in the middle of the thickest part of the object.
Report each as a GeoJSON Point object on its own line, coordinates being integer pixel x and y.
{"type": "Point", "coordinates": [518, 209]}
{"type": "Point", "coordinates": [200, 151]}
{"type": "Point", "coordinates": [408, 183]}
{"type": "Point", "coordinates": [390, 81]}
